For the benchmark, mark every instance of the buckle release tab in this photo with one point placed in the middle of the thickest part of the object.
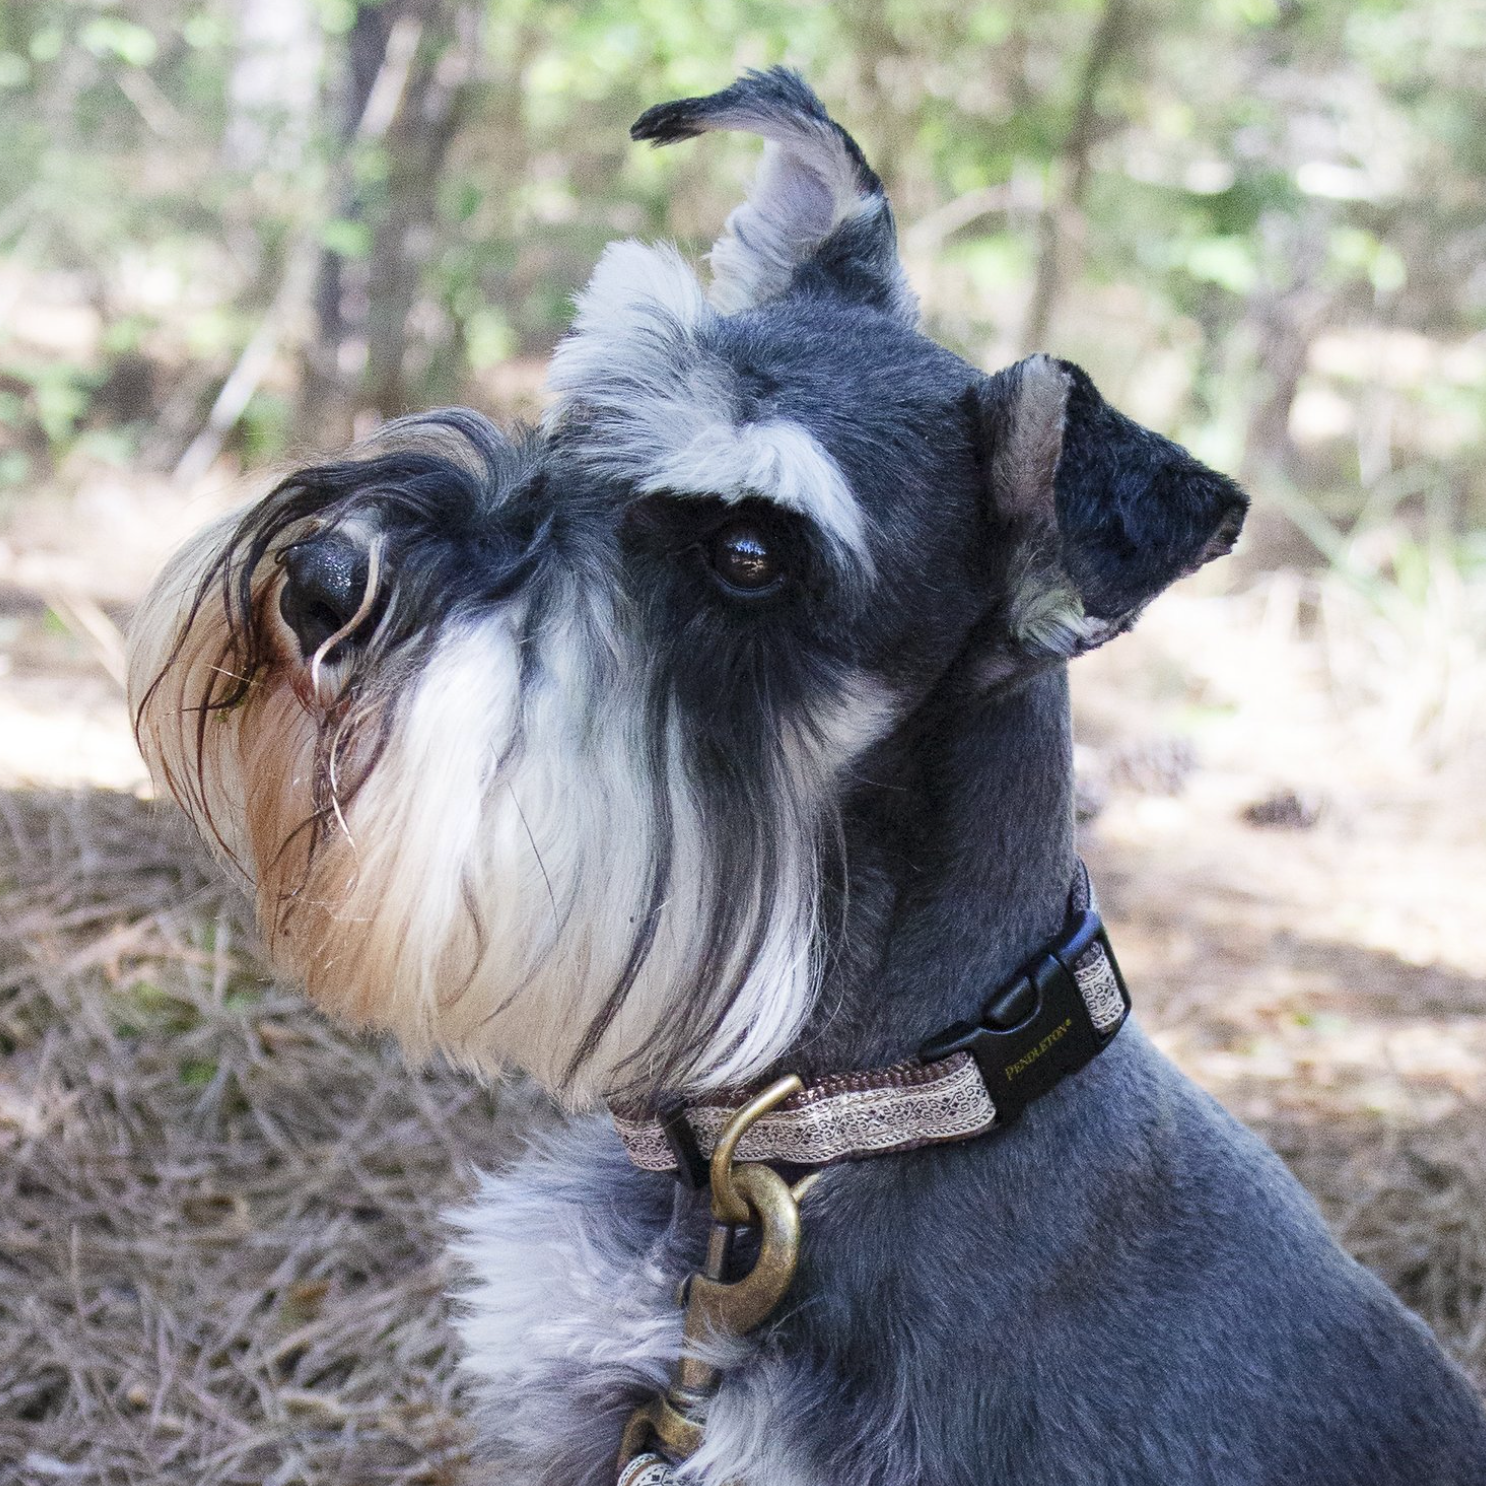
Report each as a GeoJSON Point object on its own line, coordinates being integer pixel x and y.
{"type": "Point", "coordinates": [1036, 1029]}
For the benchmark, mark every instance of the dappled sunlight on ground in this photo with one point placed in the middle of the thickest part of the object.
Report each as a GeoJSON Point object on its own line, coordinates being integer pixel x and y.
{"type": "Point", "coordinates": [1342, 954]}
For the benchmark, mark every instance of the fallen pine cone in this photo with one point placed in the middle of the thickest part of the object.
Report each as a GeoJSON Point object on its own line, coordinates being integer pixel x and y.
{"type": "Point", "coordinates": [1288, 809]}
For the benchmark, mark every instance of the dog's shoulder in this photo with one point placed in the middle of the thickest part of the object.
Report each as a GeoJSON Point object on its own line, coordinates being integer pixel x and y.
{"type": "Point", "coordinates": [1137, 1268]}
{"type": "Point", "coordinates": [1256, 1319]}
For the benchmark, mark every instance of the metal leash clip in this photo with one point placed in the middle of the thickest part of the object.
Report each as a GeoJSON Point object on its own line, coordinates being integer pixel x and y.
{"type": "Point", "coordinates": [668, 1429]}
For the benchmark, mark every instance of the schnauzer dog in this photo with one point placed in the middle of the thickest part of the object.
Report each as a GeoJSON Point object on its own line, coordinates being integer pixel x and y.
{"type": "Point", "coordinates": [704, 752]}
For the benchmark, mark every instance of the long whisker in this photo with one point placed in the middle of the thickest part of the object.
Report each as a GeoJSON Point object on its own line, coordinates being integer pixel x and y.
{"type": "Point", "coordinates": [332, 770]}
{"type": "Point", "coordinates": [368, 600]}
{"type": "Point", "coordinates": [536, 852]}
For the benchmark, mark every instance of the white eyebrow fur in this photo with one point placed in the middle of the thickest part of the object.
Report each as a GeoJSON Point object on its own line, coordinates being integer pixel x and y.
{"type": "Point", "coordinates": [659, 412]}
{"type": "Point", "coordinates": [777, 459]}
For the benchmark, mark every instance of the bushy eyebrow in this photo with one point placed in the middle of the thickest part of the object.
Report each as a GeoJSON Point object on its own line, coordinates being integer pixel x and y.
{"type": "Point", "coordinates": [777, 460]}
{"type": "Point", "coordinates": [647, 403]}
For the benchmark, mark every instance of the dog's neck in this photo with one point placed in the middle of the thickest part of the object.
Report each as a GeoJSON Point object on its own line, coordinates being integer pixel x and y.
{"type": "Point", "coordinates": [959, 853]}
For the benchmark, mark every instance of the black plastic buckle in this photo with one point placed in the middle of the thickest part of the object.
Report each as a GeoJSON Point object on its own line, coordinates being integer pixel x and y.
{"type": "Point", "coordinates": [1036, 1029]}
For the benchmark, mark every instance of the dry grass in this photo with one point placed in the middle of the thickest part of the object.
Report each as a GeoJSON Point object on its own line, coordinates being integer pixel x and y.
{"type": "Point", "coordinates": [219, 1244]}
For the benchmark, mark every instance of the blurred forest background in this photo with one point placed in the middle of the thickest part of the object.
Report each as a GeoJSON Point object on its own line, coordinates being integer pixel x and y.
{"type": "Point", "coordinates": [237, 232]}
{"type": "Point", "coordinates": [257, 225]}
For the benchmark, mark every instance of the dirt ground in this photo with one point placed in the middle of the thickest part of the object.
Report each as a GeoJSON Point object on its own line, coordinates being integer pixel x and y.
{"type": "Point", "coordinates": [220, 1253]}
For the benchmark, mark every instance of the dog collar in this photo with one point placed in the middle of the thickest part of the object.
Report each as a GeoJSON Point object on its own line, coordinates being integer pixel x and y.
{"type": "Point", "coordinates": [1060, 1010]}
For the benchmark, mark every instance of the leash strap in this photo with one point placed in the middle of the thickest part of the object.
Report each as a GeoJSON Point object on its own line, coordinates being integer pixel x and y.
{"type": "Point", "coordinates": [1059, 1011]}
{"type": "Point", "coordinates": [720, 1304]}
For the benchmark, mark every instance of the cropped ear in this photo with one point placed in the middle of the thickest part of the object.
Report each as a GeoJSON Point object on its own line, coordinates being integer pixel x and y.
{"type": "Point", "coordinates": [1095, 514]}
{"type": "Point", "coordinates": [817, 211]}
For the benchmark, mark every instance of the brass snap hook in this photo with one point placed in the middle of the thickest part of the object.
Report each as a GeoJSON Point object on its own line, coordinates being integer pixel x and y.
{"type": "Point", "coordinates": [728, 1206]}
{"type": "Point", "coordinates": [718, 1308]}
{"type": "Point", "coordinates": [753, 1196]}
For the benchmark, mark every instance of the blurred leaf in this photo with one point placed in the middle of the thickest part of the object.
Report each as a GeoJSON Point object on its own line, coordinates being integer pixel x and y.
{"type": "Point", "coordinates": [349, 239]}
{"type": "Point", "coordinates": [336, 16]}
{"type": "Point", "coordinates": [993, 263]}
{"type": "Point", "coordinates": [113, 36]}
{"type": "Point", "coordinates": [116, 446]}
{"type": "Point", "coordinates": [12, 410]}
{"type": "Point", "coordinates": [59, 402]}
{"type": "Point", "coordinates": [265, 425]}
{"type": "Point", "coordinates": [15, 468]}
{"type": "Point", "coordinates": [1225, 261]}
{"type": "Point", "coordinates": [206, 30]}
{"type": "Point", "coordinates": [46, 44]}
{"type": "Point", "coordinates": [126, 333]}
{"type": "Point", "coordinates": [490, 339]}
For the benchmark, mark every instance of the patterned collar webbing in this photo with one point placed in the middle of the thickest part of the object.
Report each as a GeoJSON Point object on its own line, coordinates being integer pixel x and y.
{"type": "Point", "coordinates": [1062, 1009]}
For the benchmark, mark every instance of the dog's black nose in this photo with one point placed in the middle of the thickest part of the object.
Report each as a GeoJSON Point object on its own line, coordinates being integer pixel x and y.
{"type": "Point", "coordinates": [324, 585]}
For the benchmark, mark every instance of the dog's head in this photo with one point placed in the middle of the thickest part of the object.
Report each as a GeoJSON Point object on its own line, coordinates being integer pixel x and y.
{"type": "Point", "coordinates": [531, 748]}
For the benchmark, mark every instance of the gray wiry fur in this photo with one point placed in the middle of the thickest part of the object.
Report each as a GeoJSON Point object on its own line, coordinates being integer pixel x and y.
{"type": "Point", "coordinates": [812, 185]}
{"type": "Point", "coordinates": [640, 396]}
{"type": "Point", "coordinates": [1123, 1289]}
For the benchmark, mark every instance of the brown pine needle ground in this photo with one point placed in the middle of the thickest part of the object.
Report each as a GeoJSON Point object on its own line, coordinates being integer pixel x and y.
{"type": "Point", "coordinates": [220, 1257]}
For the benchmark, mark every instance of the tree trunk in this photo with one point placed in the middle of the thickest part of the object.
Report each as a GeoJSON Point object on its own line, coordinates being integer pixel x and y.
{"type": "Point", "coordinates": [357, 358]}
{"type": "Point", "coordinates": [405, 230]}
{"type": "Point", "coordinates": [324, 413]}
{"type": "Point", "coordinates": [1071, 173]}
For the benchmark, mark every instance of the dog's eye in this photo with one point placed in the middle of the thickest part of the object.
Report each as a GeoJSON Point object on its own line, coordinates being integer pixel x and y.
{"type": "Point", "coordinates": [743, 559]}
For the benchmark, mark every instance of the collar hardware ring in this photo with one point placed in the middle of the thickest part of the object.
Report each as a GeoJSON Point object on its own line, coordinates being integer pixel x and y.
{"type": "Point", "coordinates": [719, 1308]}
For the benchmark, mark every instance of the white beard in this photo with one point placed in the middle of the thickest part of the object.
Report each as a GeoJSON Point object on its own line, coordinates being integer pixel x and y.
{"type": "Point", "coordinates": [483, 889]}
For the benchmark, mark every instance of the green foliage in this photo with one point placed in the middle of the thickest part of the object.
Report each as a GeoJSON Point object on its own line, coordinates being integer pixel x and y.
{"type": "Point", "coordinates": [346, 238]}
{"type": "Point", "coordinates": [55, 398]}
{"type": "Point", "coordinates": [1217, 187]}
{"type": "Point", "coordinates": [111, 36]}
{"type": "Point", "coordinates": [15, 469]}
{"type": "Point", "coordinates": [266, 424]}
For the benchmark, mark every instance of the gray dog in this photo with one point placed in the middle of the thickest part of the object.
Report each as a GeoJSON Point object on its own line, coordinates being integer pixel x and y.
{"type": "Point", "coordinates": [717, 732]}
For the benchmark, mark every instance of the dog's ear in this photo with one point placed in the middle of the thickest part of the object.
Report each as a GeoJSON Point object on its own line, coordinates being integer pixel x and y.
{"type": "Point", "coordinates": [817, 213]}
{"type": "Point", "coordinates": [1093, 514]}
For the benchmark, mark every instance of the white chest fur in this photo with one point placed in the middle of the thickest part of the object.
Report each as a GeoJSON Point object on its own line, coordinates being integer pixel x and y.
{"type": "Point", "coordinates": [569, 1318]}
{"type": "Point", "coordinates": [569, 1312]}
